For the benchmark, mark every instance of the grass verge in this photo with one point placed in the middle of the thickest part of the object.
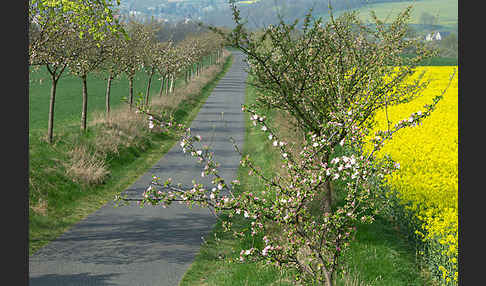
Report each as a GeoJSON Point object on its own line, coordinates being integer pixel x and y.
{"type": "Point", "coordinates": [378, 256]}
{"type": "Point", "coordinates": [57, 201]}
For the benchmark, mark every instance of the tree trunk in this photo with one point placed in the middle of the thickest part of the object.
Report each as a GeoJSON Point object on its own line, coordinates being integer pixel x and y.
{"type": "Point", "coordinates": [108, 89]}
{"type": "Point", "coordinates": [328, 278]}
{"type": "Point", "coordinates": [162, 83]}
{"type": "Point", "coordinates": [130, 91]}
{"type": "Point", "coordinates": [85, 103]}
{"type": "Point", "coordinates": [167, 84]}
{"type": "Point", "coordinates": [50, 127]}
{"type": "Point", "coordinates": [147, 94]}
{"type": "Point", "coordinates": [171, 83]}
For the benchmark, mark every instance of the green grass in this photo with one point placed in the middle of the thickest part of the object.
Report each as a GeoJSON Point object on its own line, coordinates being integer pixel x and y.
{"type": "Point", "coordinates": [69, 202]}
{"type": "Point", "coordinates": [447, 10]}
{"type": "Point", "coordinates": [69, 98]}
{"type": "Point", "coordinates": [440, 61]}
{"type": "Point", "coordinates": [378, 256]}
{"type": "Point", "coordinates": [436, 61]}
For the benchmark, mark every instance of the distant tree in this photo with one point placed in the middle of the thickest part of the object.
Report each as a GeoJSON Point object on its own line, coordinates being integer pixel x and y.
{"type": "Point", "coordinates": [87, 60]}
{"type": "Point", "coordinates": [151, 53]}
{"type": "Point", "coordinates": [111, 68]}
{"type": "Point", "coordinates": [162, 70]}
{"type": "Point", "coordinates": [131, 60]}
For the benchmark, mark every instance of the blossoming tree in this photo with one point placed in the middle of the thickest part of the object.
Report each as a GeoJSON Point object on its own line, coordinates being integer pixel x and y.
{"type": "Point", "coordinates": [329, 79]}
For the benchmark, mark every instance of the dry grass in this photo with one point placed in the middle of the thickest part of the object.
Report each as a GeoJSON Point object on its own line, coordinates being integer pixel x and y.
{"type": "Point", "coordinates": [86, 167]}
{"type": "Point", "coordinates": [120, 129]}
{"type": "Point", "coordinates": [40, 207]}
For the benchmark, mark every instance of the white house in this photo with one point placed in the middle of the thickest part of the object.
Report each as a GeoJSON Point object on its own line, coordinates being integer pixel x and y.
{"type": "Point", "coordinates": [436, 36]}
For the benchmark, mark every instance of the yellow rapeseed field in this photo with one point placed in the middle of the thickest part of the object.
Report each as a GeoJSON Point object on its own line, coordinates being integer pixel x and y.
{"type": "Point", "coordinates": [428, 175]}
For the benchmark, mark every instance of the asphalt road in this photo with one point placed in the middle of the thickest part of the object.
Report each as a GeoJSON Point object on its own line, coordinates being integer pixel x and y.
{"type": "Point", "coordinates": [150, 246]}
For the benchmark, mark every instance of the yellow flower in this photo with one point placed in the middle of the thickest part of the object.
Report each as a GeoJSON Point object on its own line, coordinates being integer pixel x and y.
{"type": "Point", "coordinates": [428, 158]}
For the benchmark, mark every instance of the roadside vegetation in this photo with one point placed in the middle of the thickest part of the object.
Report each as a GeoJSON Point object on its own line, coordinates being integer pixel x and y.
{"type": "Point", "coordinates": [77, 166]}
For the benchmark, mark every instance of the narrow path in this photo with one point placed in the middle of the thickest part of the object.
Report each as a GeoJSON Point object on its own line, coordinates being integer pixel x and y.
{"type": "Point", "coordinates": [150, 246]}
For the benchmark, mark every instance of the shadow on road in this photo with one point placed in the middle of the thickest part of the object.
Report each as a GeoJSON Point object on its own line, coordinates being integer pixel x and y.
{"type": "Point", "coordinates": [137, 239]}
{"type": "Point", "coordinates": [81, 279]}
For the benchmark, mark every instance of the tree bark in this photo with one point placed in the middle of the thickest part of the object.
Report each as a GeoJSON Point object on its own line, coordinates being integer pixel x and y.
{"type": "Point", "coordinates": [167, 84]}
{"type": "Point", "coordinates": [147, 94]}
{"type": "Point", "coordinates": [55, 78]}
{"type": "Point", "coordinates": [108, 89]}
{"type": "Point", "coordinates": [328, 278]}
{"type": "Point", "coordinates": [50, 127]}
{"type": "Point", "coordinates": [162, 84]}
{"type": "Point", "coordinates": [130, 91]}
{"type": "Point", "coordinates": [85, 104]}
{"type": "Point", "coordinates": [171, 83]}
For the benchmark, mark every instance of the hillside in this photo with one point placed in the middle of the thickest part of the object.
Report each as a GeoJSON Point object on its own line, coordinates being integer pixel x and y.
{"type": "Point", "coordinates": [445, 13]}
{"type": "Point", "coordinates": [442, 14]}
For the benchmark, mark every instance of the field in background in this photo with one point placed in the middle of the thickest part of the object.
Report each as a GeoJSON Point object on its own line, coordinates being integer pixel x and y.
{"type": "Point", "coordinates": [447, 11]}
